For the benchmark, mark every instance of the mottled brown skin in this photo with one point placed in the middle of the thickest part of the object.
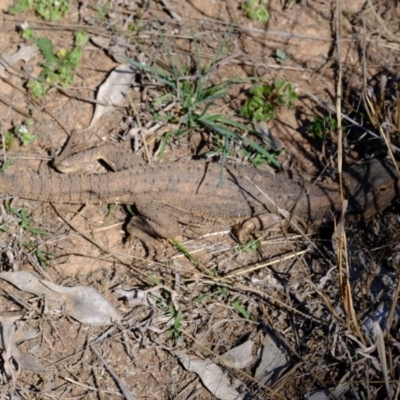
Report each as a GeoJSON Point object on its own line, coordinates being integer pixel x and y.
{"type": "Point", "coordinates": [203, 194]}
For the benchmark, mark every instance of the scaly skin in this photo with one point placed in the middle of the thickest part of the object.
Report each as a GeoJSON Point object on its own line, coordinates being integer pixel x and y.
{"type": "Point", "coordinates": [196, 193]}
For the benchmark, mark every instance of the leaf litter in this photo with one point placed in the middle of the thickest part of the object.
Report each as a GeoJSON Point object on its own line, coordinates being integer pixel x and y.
{"type": "Point", "coordinates": [84, 304]}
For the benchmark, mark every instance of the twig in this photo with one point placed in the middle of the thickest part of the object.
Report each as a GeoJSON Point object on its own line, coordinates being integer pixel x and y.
{"type": "Point", "coordinates": [169, 8]}
{"type": "Point", "coordinates": [124, 389]}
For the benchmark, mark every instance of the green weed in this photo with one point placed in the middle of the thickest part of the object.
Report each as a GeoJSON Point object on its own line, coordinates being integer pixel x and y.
{"type": "Point", "coordinates": [242, 310]}
{"type": "Point", "coordinates": [8, 140]}
{"type": "Point", "coordinates": [58, 67]}
{"type": "Point", "coordinates": [256, 10]}
{"type": "Point", "coordinates": [221, 292]}
{"type": "Point", "coordinates": [24, 135]}
{"type": "Point", "coordinates": [281, 56]}
{"type": "Point", "coordinates": [43, 257]}
{"type": "Point", "coordinates": [265, 100]}
{"type": "Point", "coordinates": [250, 247]}
{"type": "Point", "coordinates": [174, 332]}
{"type": "Point", "coordinates": [101, 11]}
{"type": "Point", "coordinates": [6, 165]}
{"type": "Point", "coordinates": [50, 10]}
{"type": "Point", "coordinates": [25, 220]}
{"type": "Point", "coordinates": [321, 128]}
{"type": "Point", "coordinates": [110, 211]}
{"type": "Point", "coordinates": [27, 33]}
{"type": "Point", "coordinates": [190, 88]}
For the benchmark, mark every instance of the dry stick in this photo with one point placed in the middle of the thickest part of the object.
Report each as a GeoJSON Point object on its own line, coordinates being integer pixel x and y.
{"type": "Point", "coordinates": [169, 8]}
{"type": "Point", "coordinates": [382, 23]}
{"type": "Point", "coordinates": [272, 298]}
{"type": "Point", "coordinates": [340, 147]}
{"type": "Point", "coordinates": [3, 142]}
{"type": "Point", "coordinates": [124, 389]}
{"type": "Point", "coordinates": [136, 114]}
{"type": "Point", "coordinates": [267, 264]}
{"type": "Point", "coordinates": [14, 107]}
{"type": "Point", "coordinates": [393, 307]}
{"type": "Point", "coordinates": [380, 346]}
{"type": "Point", "coordinates": [345, 287]}
{"type": "Point", "coordinates": [370, 110]}
{"type": "Point", "coordinates": [94, 389]}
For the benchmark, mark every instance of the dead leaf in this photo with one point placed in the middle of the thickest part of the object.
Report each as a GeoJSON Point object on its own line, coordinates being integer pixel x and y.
{"type": "Point", "coordinates": [82, 303]}
{"type": "Point", "coordinates": [13, 358]}
{"type": "Point", "coordinates": [214, 379]}
{"type": "Point", "coordinates": [240, 356]}
{"type": "Point", "coordinates": [112, 92]}
{"type": "Point", "coordinates": [24, 53]}
{"type": "Point", "coordinates": [273, 362]}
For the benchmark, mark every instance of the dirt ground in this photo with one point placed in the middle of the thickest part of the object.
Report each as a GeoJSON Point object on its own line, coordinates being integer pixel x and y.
{"type": "Point", "coordinates": [315, 326]}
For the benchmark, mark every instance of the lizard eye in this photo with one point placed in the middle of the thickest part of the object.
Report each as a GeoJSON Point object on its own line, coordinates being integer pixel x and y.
{"type": "Point", "coordinates": [382, 189]}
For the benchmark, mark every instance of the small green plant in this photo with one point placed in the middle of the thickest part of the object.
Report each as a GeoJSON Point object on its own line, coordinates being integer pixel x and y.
{"type": "Point", "coordinates": [222, 292]}
{"type": "Point", "coordinates": [101, 11]}
{"type": "Point", "coordinates": [25, 220]}
{"type": "Point", "coordinates": [321, 128]}
{"type": "Point", "coordinates": [110, 211]}
{"type": "Point", "coordinates": [6, 165]}
{"type": "Point", "coordinates": [58, 68]}
{"type": "Point", "coordinates": [27, 33]}
{"type": "Point", "coordinates": [242, 310]}
{"type": "Point", "coordinates": [250, 247]}
{"type": "Point", "coordinates": [50, 10]}
{"type": "Point", "coordinates": [266, 99]}
{"type": "Point", "coordinates": [135, 26]}
{"type": "Point", "coordinates": [43, 257]}
{"type": "Point", "coordinates": [189, 87]}
{"type": "Point", "coordinates": [281, 56]}
{"type": "Point", "coordinates": [256, 10]}
{"type": "Point", "coordinates": [24, 135]}
{"type": "Point", "coordinates": [8, 140]}
{"type": "Point", "coordinates": [175, 330]}
{"type": "Point", "coordinates": [186, 253]}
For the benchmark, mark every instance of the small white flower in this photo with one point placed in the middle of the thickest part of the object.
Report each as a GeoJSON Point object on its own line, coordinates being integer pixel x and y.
{"type": "Point", "coordinates": [24, 25]}
{"type": "Point", "coordinates": [22, 129]}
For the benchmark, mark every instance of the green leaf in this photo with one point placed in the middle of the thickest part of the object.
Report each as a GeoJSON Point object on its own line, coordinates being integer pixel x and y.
{"type": "Point", "coordinates": [81, 38]}
{"type": "Point", "coordinates": [20, 6]}
{"type": "Point", "coordinates": [46, 47]}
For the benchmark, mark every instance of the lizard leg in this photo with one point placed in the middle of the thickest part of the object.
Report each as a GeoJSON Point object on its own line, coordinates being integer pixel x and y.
{"type": "Point", "coordinates": [138, 227]}
{"type": "Point", "coordinates": [261, 222]}
{"type": "Point", "coordinates": [117, 157]}
{"type": "Point", "coordinates": [154, 221]}
{"type": "Point", "coordinates": [265, 222]}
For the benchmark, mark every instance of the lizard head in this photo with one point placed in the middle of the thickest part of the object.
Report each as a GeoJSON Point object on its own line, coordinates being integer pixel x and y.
{"type": "Point", "coordinates": [371, 187]}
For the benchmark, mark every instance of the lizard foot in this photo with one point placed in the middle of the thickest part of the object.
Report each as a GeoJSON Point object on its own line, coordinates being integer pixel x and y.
{"type": "Point", "coordinates": [138, 228]}
{"type": "Point", "coordinates": [265, 222]}
{"type": "Point", "coordinates": [261, 222]}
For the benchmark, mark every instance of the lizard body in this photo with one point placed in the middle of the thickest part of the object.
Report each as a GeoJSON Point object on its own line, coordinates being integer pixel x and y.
{"type": "Point", "coordinates": [196, 193]}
